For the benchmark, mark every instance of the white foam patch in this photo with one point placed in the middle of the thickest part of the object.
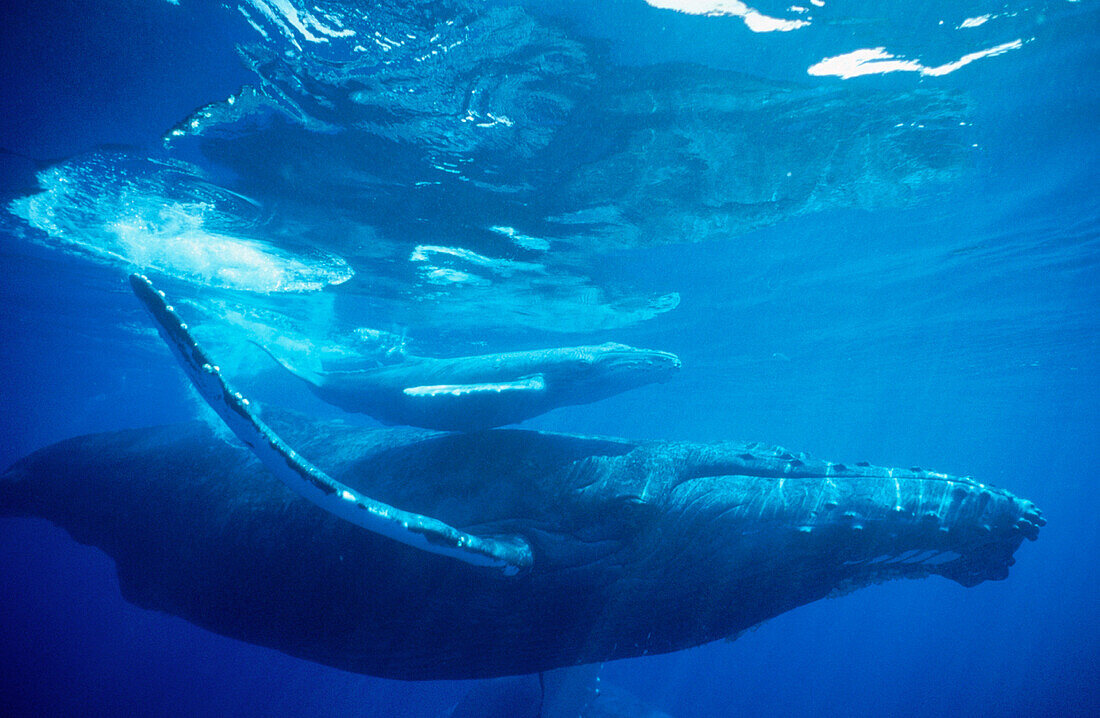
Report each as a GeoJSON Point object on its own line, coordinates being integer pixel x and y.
{"type": "Point", "coordinates": [497, 266]}
{"type": "Point", "coordinates": [877, 61]}
{"type": "Point", "coordinates": [536, 244]}
{"type": "Point", "coordinates": [754, 19]}
{"type": "Point", "coordinates": [286, 16]}
{"type": "Point", "coordinates": [975, 21]}
{"type": "Point", "coordinates": [423, 252]}
{"type": "Point", "coordinates": [446, 275]}
{"type": "Point", "coordinates": [155, 220]}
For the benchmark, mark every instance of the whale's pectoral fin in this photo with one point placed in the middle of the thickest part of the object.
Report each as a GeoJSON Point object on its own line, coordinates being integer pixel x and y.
{"type": "Point", "coordinates": [534, 383]}
{"type": "Point", "coordinates": [309, 376]}
{"type": "Point", "coordinates": [510, 555]}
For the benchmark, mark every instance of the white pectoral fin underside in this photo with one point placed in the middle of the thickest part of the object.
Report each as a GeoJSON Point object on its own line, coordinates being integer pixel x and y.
{"type": "Point", "coordinates": [510, 556]}
{"type": "Point", "coordinates": [533, 383]}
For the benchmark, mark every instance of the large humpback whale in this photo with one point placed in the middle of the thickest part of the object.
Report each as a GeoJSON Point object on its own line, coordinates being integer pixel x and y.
{"type": "Point", "coordinates": [480, 392]}
{"type": "Point", "coordinates": [635, 547]}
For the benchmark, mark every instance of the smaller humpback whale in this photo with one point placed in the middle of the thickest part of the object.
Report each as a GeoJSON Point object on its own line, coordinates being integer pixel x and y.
{"type": "Point", "coordinates": [481, 392]}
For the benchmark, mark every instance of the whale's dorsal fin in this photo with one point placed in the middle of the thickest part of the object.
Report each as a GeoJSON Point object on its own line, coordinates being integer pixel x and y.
{"type": "Point", "coordinates": [534, 383]}
{"type": "Point", "coordinates": [510, 555]}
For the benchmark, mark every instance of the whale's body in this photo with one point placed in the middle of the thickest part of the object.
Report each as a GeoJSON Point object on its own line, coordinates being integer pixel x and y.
{"type": "Point", "coordinates": [636, 547]}
{"type": "Point", "coordinates": [471, 393]}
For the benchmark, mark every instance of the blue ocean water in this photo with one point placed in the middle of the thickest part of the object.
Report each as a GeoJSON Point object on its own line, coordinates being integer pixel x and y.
{"type": "Point", "coordinates": [870, 231]}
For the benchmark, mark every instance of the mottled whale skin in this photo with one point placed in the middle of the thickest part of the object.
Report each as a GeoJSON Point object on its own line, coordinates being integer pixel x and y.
{"type": "Point", "coordinates": [471, 393]}
{"type": "Point", "coordinates": [636, 547]}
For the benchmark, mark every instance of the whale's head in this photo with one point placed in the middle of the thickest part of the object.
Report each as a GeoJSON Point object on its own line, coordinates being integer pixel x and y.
{"type": "Point", "coordinates": [732, 534]}
{"type": "Point", "coordinates": [606, 369]}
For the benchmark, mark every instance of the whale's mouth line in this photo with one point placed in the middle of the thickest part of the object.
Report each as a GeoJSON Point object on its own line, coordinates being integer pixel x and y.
{"type": "Point", "coordinates": [777, 474]}
{"type": "Point", "coordinates": [649, 369]}
{"type": "Point", "coordinates": [911, 558]}
{"type": "Point", "coordinates": [639, 358]}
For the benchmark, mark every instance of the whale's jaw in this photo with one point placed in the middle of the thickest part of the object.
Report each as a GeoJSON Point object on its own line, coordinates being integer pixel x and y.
{"type": "Point", "coordinates": [768, 523]}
